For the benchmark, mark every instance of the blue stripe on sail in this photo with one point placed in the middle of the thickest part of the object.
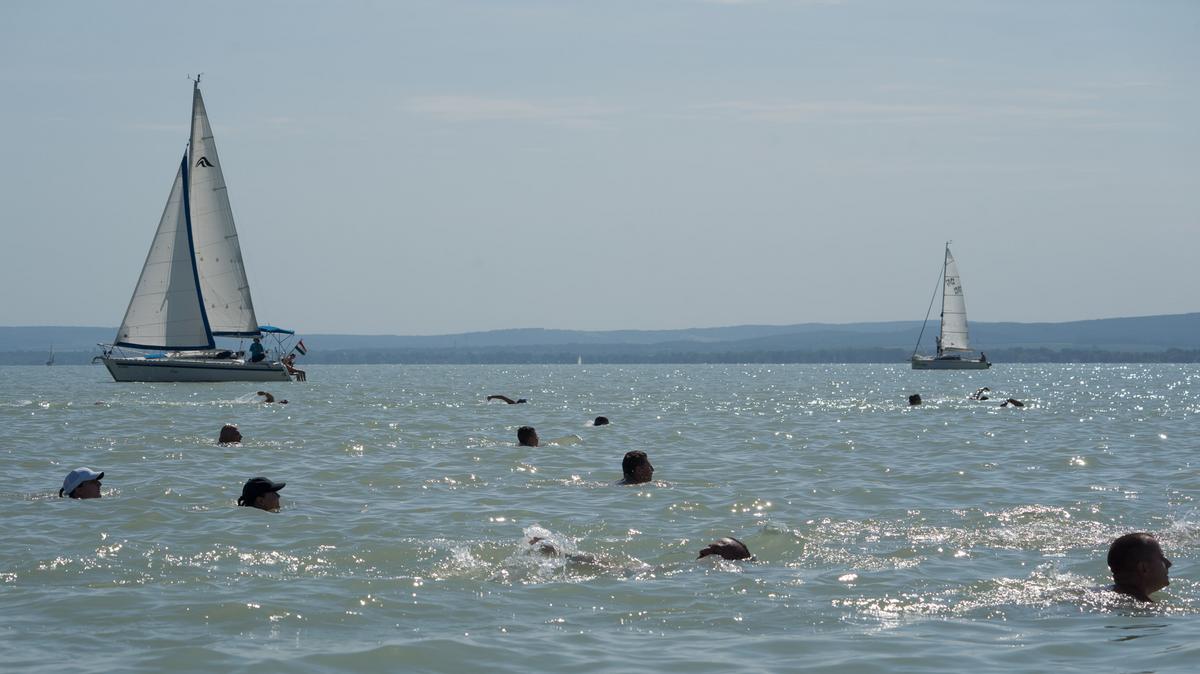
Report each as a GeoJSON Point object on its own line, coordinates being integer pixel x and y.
{"type": "Point", "coordinates": [236, 334]}
{"type": "Point", "coordinates": [187, 217]}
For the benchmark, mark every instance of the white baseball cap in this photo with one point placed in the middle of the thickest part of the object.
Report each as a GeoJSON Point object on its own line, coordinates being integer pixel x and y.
{"type": "Point", "coordinates": [78, 477]}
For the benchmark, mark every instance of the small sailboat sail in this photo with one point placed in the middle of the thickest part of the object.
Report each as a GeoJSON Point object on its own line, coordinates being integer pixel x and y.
{"type": "Point", "coordinates": [954, 309]}
{"type": "Point", "coordinates": [193, 285]}
{"type": "Point", "coordinates": [953, 336]}
{"type": "Point", "coordinates": [50, 359]}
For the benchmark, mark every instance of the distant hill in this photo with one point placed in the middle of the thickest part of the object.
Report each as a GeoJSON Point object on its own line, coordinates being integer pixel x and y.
{"type": "Point", "coordinates": [1174, 338]}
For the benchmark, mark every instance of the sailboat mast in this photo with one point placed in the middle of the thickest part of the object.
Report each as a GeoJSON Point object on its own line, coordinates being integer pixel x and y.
{"type": "Point", "coordinates": [929, 310]}
{"type": "Point", "coordinates": [942, 316]}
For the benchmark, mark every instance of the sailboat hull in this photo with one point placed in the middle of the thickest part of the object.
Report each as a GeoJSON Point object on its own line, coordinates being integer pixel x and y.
{"type": "Point", "coordinates": [930, 363]}
{"type": "Point", "coordinates": [185, 370]}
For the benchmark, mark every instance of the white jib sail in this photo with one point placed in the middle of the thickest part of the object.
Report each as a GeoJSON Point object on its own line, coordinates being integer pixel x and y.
{"type": "Point", "coordinates": [218, 255]}
{"type": "Point", "coordinates": [165, 311]}
{"type": "Point", "coordinates": [954, 310]}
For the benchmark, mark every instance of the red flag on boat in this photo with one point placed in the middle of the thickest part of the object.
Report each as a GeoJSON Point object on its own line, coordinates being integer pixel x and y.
{"type": "Point", "coordinates": [301, 348]}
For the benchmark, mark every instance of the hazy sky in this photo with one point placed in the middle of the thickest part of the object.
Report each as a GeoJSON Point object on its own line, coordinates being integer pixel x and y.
{"type": "Point", "coordinates": [431, 167]}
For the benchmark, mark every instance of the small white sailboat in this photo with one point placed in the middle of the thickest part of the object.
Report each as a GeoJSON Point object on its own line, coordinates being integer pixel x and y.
{"type": "Point", "coordinates": [952, 339]}
{"type": "Point", "coordinates": [50, 359]}
{"type": "Point", "coordinates": [193, 285]}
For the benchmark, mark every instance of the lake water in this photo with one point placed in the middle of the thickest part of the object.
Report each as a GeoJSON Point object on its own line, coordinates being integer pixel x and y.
{"type": "Point", "coordinates": [953, 536]}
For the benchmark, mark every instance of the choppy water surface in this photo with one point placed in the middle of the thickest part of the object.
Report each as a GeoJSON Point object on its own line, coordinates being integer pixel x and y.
{"type": "Point", "coordinates": [951, 536]}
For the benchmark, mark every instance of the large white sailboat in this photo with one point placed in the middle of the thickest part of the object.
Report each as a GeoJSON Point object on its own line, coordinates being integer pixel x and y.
{"type": "Point", "coordinates": [193, 285]}
{"type": "Point", "coordinates": [952, 339]}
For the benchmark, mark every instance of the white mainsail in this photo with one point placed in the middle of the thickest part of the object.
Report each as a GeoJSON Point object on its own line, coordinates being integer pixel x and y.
{"type": "Point", "coordinates": [218, 255]}
{"type": "Point", "coordinates": [954, 310]}
{"type": "Point", "coordinates": [166, 311]}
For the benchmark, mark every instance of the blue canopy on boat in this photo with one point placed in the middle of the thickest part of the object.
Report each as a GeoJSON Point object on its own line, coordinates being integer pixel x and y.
{"type": "Point", "coordinates": [273, 329]}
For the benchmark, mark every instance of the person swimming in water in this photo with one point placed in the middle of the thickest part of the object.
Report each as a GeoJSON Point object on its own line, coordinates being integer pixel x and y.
{"type": "Point", "coordinates": [268, 398]}
{"type": "Point", "coordinates": [914, 399]}
{"type": "Point", "coordinates": [981, 394]}
{"type": "Point", "coordinates": [82, 483]}
{"type": "Point", "coordinates": [1138, 566]}
{"type": "Point", "coordinates": [600, 421]}
{"type": "Point", "coordinates": [261, 493]}
{"type": "Point", "coordinates": [230, 435]}
{"type": "Point", "coordinates": [527, 437]}
{"type": "Point", "coordinates": [726, 548]}
{"type": "Point", "coordinates": [636, 468]}
{"type": "Point", "coordinates": [1012, 401]}
{"type": "Point", "coordinates": [506, 399]}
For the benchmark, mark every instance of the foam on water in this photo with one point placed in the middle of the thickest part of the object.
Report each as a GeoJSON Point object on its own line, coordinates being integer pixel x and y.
{"type": "Point", "coordinates": [415, 534]}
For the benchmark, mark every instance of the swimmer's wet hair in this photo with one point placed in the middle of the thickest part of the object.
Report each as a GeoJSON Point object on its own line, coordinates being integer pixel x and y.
{"type": "Point", "coordinates": [1130, 549]}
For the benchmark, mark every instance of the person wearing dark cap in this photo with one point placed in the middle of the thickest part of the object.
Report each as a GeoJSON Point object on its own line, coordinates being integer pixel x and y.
{"type": "Point", "coordinates": [527, 436]}
{"type": "Point", "coordinates": [1012, 401]}
{"type": "Point", "coordinates": [261, 493]}
{"type": "Point", "coordinates": [726, 548]}
{"type": "Point", "coordinates": [230, 435]}
{"type": "Point", "coordinates": [636, 467]}
{"type": "Point", "coordinates": [82, 483]}
{"type": "Point", "coordinates": [1138, 566]}
{"type": "Point", "coordinates": [506, 399]}
{"type": "Point", "coordinates": [600, 421]}
{"type": "Point", "coordinates": [914, 399]}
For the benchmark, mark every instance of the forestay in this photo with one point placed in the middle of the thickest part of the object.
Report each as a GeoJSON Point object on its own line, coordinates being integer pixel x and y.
{"type": "Point", "coordinates": [954, 310]}
{"type": "Point", "coordinates": [218, 254]}
{"type": "Point", "coordinates": [166, 311]}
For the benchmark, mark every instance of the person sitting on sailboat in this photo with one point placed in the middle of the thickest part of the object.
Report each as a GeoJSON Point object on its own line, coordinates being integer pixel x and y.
{"type": "Point", "coordinates": [289, 361]}
{"type": "Point", "coordinates": [257, 352]}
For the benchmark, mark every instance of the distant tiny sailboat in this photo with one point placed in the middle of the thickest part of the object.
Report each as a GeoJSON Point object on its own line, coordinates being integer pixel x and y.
{"type": "Point", "coordinates": [952, 338]}
{"type": "Point", "coordinates": [193, 285]}
{"type": "Point", "coordinates": [579, 361]}
{"type": "Point", "coordinates": [50, 360]}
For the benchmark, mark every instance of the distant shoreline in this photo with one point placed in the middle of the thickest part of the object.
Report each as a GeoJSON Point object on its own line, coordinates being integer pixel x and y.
{"type": "Point", "coordinates": [535, 357]}
{"type": "Point", "coordinates": [1171, 338]}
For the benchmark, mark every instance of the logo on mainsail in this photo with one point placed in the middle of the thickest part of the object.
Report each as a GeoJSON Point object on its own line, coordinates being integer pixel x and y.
{"type": "Point", "coordinates": [203, 161]}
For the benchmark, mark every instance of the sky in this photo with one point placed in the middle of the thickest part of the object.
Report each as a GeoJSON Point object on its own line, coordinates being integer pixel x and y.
{"type": "Point", "coordinates": [421, 167]}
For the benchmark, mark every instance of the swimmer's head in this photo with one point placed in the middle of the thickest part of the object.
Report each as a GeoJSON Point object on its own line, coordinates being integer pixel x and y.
{"type": "Point", "coordinates": [726, 548]}
{"type": "Point", "coordinates": [527, 436]}
{"type": "Point", "coordinates": [914, 399]}
{"type": "Point", "coordinates": [636, 467]}
{"type": "Point", "coordinates": [229, 435]}
{"type": "Point", "coordinates": [1138, 565]}
{"type": "Point", "coordinates": [82, 483]}
{"type": "Point", "coordinates": [600, 421]}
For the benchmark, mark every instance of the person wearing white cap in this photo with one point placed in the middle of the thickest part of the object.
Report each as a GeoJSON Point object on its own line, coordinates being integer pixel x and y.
{"type": "Point", "coordinates": [82, 483]}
